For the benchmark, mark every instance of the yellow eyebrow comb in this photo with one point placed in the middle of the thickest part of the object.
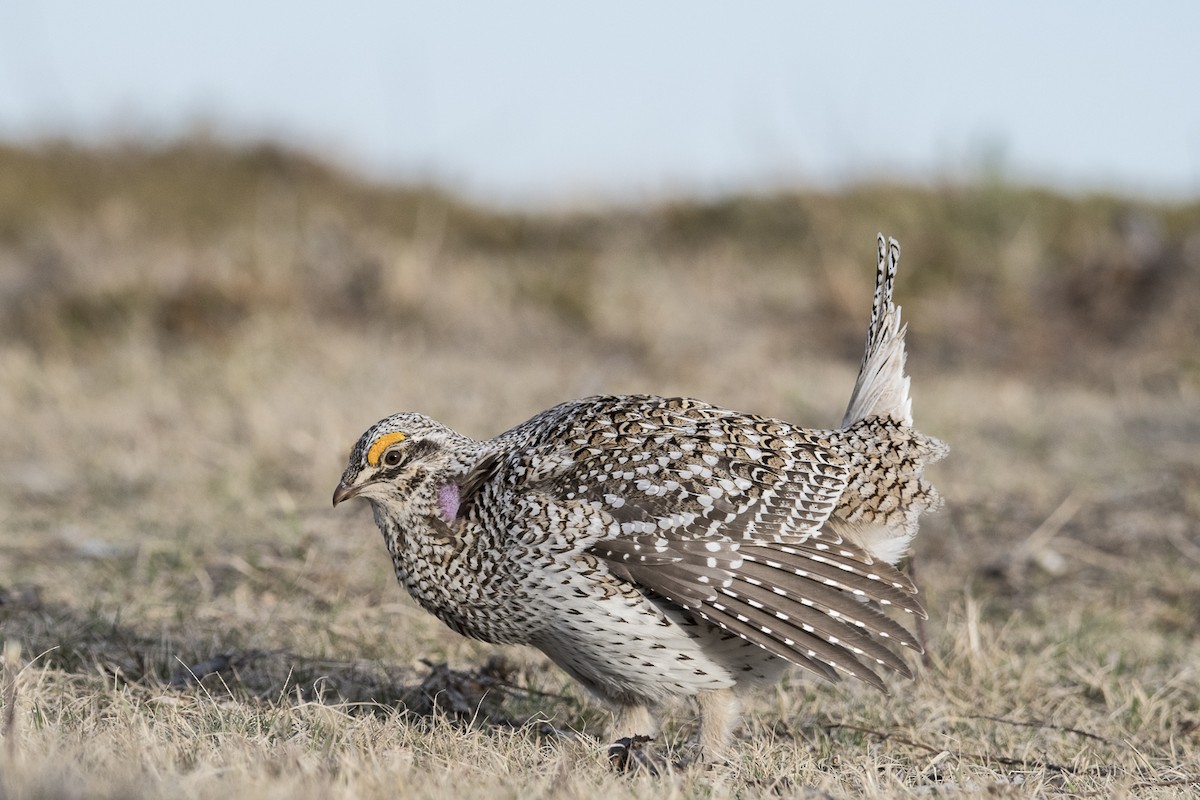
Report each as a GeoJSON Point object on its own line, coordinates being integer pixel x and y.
{"type": "Point", "coordinates": [381, 444]}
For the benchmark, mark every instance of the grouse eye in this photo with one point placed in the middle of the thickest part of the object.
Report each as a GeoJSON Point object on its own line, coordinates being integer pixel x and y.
{"type": "Point", "coordinates": [391, 458]}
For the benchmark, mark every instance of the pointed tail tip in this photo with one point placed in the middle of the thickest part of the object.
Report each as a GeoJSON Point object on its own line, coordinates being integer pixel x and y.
{"type": "Point", "coordinates": [882, 388]}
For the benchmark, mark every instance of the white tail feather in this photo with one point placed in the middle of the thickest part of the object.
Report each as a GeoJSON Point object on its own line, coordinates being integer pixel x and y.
{"type": "Point", "coordinates": [882, 387]}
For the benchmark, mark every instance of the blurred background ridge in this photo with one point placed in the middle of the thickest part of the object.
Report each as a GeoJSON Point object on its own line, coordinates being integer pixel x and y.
{"type": "Point", "coordinates": [544, 102]}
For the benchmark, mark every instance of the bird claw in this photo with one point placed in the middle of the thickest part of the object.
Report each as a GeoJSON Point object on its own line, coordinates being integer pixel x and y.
{"type": "Point", "coordinates": [630, 754]}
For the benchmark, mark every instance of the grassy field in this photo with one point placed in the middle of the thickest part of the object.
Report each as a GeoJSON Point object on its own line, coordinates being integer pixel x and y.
{"type": "Point", "coordinates": [191, 339]}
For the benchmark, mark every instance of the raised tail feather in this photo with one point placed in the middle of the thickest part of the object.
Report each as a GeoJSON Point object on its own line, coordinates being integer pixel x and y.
{"type": "Point", "coordinates": [888, 492]}
{"type": "Point", "coordinates": [882, 387]}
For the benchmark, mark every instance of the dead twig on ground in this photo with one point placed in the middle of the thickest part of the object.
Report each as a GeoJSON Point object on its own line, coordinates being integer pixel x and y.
{"type": "Point", "coordinates": [1046, 725]}
{"type": "Point", "coordinates": [979, 758]}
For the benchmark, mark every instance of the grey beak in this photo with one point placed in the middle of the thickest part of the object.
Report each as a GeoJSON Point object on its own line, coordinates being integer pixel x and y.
{"type": "Point", "coordinates": [344, 492]}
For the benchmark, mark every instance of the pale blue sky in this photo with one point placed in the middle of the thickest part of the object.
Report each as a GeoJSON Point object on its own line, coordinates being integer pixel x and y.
{"type": "Point", "coordinates": [543, 101]}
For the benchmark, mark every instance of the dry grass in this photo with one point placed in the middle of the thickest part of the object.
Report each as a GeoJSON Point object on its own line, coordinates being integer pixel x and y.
{"type": "Point", "coordinates": [193, 338]}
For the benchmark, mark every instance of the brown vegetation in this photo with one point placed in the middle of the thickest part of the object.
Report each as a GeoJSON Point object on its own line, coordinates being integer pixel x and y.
{"type": "Point", "coordinates": [191, 338]}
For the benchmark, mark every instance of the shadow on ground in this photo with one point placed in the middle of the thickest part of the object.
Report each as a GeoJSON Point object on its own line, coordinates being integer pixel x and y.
{"type": "Point", "coordinates": [89, 645]}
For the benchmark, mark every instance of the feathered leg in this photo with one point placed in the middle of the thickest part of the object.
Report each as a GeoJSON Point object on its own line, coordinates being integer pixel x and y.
{"type": "Point", "coordinates": [719, 710]}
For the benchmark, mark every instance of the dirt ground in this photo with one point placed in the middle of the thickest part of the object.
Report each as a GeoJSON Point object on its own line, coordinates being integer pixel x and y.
{"type": "Point", "coordinates": [192, 338]}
